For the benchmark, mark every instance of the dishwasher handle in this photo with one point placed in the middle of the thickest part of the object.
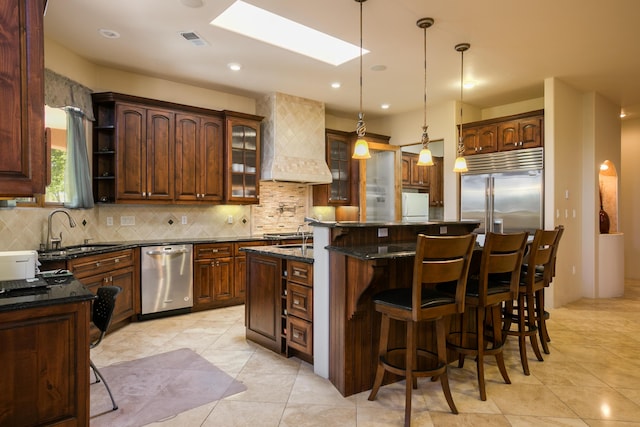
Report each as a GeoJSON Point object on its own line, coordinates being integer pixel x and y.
{"type": "Point", "coordinates": [167, 252]}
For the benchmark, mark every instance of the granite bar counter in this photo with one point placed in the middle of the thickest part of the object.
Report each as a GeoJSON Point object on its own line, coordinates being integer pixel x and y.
{"type": "Point", "coordinates": [352, 262]}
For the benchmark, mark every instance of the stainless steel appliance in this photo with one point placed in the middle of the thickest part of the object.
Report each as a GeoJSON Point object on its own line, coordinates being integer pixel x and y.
{"type": "Point", "coordinates": [504, 190]}
{"type": "Point", "coordinates": [166, 280]}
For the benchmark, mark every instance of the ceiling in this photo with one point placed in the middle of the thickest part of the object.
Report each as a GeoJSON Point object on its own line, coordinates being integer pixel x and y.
{"type": "Point", "coordinates": [589, 44]}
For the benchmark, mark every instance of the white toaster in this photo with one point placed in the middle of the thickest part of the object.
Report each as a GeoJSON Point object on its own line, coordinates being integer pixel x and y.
{"type": "Point", "coordinates": [16, 265]}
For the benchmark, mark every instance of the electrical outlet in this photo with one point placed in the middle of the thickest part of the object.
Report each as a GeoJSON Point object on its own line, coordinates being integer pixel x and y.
{"type": "Point", "coordinates": [109, 221]}
{"type": "Point", "coordinates": [230, 219]}
{"type": "Point", "coordinates": [383, 232]}
{"type": "Point", "coordinates": [184, 219]}
{"type": "Point", "coordinates": [128, 220]}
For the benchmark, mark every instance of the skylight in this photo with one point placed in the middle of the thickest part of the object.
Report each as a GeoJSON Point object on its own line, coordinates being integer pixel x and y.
{"type": "Point", "coordinates": [262, 25]}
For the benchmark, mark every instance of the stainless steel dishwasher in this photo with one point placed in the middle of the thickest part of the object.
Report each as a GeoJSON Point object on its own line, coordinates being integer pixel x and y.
{"type": "Point", "coordinates": [166, 280]}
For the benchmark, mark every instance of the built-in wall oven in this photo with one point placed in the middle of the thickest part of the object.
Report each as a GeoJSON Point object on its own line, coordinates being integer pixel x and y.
{"type": "Point", "coordinates": [166, 280]}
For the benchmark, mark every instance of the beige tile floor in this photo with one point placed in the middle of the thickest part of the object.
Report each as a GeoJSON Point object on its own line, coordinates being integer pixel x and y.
{"type": "Point", "coordinates": [591, 377]}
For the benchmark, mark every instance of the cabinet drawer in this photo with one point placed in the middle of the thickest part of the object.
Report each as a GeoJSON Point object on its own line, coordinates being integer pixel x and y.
{"type": "Point", "coordinates": [300, 272]}
{"type": "Point", "coordinates": [213, 250]}
{"type": "Point", "coordinates": [300, 301]}
{"type": "Point", "coordinates": [94, 264]}
{"type": "Point", "coordinates": [300, 335]}
{"type": "Point", "coordinates": [239, 245]}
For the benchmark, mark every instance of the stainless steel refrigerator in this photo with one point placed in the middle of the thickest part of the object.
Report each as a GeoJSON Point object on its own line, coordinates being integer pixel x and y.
{"type": "Point", "coordinates": [504, 190]}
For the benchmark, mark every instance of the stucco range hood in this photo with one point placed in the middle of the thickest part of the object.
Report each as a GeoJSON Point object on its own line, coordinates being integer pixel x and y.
{"type": "Point", "coordinates": [293, 141]}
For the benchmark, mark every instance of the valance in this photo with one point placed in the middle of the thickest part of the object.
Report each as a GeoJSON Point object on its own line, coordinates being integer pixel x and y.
{"type": "Point", "coordinates": [60, 91]}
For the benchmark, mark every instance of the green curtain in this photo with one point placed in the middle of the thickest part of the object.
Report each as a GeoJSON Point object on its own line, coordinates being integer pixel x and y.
{"type": "Point", "coordinates": [77, 177]}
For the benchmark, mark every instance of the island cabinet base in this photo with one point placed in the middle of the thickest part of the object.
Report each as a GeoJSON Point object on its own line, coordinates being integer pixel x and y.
{"type": "Point", "coordinates": [354, 324]}
{"type": "Point", "coordinates": [44, 354]}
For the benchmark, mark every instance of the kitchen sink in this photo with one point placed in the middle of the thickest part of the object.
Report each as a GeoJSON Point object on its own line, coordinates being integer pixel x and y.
{"type": "Point", "coordinates": [77, 249]}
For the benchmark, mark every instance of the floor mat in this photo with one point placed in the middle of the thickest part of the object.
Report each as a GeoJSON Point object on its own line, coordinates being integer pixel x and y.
{"type": "Point", "coordinates": [157, 387]}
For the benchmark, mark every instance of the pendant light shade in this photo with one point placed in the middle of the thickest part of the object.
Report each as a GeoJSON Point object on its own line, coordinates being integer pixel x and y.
{"type": "Point", "coordinates": [425, 158]}
{"type": "Point", "coordinates": [361, 148]}
{"type": "Point", "coordinates": [460, 164]}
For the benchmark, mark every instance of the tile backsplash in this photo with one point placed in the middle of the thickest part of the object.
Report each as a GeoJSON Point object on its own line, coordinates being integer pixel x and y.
{"type": "Point", "coordinates": [282, 207]}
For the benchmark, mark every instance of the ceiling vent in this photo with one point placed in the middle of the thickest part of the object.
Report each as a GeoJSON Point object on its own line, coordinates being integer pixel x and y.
{"type": "Point", "coordinates": [193, 38]}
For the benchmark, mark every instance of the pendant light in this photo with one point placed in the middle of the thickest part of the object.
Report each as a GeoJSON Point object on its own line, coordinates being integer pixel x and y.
{"type": "Point", "coordinates": [461, 163]}
{"type": "Point", "coordinates": [361, 149]}
{"type": "Point", "coordinates": [425, 158]}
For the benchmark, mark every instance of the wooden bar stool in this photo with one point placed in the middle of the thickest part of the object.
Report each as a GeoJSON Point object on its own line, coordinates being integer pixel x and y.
{"type": "Point", "coordinates": [439, 259]}
{"type": "Point", "coordinates": [541, 314]}
{"type": "Point", "coordinates": [526, 314]}
{"type": "Point", "coordinates": [496, 282]}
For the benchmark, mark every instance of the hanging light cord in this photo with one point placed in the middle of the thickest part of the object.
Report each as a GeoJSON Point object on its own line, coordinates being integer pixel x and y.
{"type": "Point", "coordinates": [360, 127]}
{"type": "Point", "coordinates": [425, 135]}
{"type": "Point", "coordinates": [460, 141]}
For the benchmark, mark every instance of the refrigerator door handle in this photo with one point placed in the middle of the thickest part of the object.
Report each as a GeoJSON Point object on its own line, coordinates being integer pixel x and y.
{"type": "Point", "coordinates": [490, 199]}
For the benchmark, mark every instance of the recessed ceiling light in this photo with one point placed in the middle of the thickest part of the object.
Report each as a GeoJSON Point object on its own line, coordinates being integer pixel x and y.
{"type": "Point", "coordinates": [336, 85]}
{"type": "Point", "coordinates": [378, 67]}
{"type": "Point", "coordinates": [262, 25]}
{"type": "Point", "coordinates": [469, 84]}
{"type": "Point", "coordinates": [234, 66]}
{"type": "Point", "coordinates": [385, 106]}
{"type": "Point", "coordinates": [110, 34]}
{"type": "Point", "coordinates": [623, 114]}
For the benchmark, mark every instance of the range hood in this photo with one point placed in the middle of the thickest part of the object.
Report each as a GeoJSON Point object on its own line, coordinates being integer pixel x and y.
{"type": "Point", "coordinates": [293, 139]}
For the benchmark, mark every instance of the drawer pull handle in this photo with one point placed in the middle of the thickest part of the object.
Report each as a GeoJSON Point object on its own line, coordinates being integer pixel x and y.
{"type": "Point", "coordinates": [296, 301]}
{"type": "Point", "coordinates": [296, 335]}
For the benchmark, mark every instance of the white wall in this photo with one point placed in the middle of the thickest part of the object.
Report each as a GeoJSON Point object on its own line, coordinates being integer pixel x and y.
{"type": "Point", "coordinates": [563, 158]}
{"type": "Point", "coordinates": [630, 196]}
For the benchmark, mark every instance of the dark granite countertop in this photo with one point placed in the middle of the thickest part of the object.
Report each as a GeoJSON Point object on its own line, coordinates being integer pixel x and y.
{"type": "Point", "coordinates": [358, 224]}
{"type": "Point", "coordinates": [382, 251]}
{"type": "Point", "coordinates": [61, 289]}
{"type": "Point", "coordinates": [77, 251]}
{"type": "Point", "coordinates": [292, 252]}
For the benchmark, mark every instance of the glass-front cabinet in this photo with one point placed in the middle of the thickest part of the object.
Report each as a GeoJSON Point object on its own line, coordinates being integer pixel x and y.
{"type": "Point", "coordinates": [339, 158]}
{"type": "Point", "coordinates": [340, 191]}
{"type": "Point", "coordinates": [243, 161]}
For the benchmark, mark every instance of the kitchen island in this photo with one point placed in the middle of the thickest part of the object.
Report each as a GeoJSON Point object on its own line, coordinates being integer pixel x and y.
{"type": "Point", "coordinates": [353, 261]}
{"type": "Point", "coordinates": [45, 354]}
{"type": "Point", "coordinates": [279, 299]}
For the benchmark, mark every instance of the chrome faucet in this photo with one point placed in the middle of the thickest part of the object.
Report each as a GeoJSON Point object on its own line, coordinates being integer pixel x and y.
{"type": "Point", "coordinates": [304, 236]}
{"type": "Point", "coordinates": [56, 242]}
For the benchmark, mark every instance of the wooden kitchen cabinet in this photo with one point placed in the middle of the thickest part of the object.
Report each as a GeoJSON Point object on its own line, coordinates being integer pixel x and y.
{"type": "Point", "coordinates": [145, 155]}
{"type": "Point", "coordinates": [240, 267]}
{"type": "Point", "coordinates": [119, 268]}
{"type": "Point", "coordinates": [344, 190]}
{"type": "Point", "coordinates": [199, 154]}
{"type": "Point", "coordinates": [479, 139]}
{"type": "Point", "coordinates": [151, 151]}
{"type": "Point", "coordinates": [45, 365]}
{"type": "Point", "coordinates": [243, 158]}
{"type": "Point", "coordinates": [265, 316]}
{"type": "Point", "coordinates": [436, 182]}
{"type": "Point", "coordinates": [22, 142]}
{"type": "Point", "coordinates": [339, 147]}
{"type": "Point", "coordinates": [414, 176]}
{"type": "Point", "coordinates": [526, 132]}
{"type": "Point", "coordinates": [213, 276]}
{"type": "Point", "coordinates": [299, 290]}
{"type": "Point", "coordinates": [519, 131]}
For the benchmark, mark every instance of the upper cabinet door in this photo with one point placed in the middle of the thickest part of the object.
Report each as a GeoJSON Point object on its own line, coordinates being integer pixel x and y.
{"type": "Point", "coordinates": [160, 155]}
{"type": "Point", "coordinates": [199, 165]}
{"type": "Point", "coordinates": [243, 160]}
{"type": "Point", "coordinates": [22, 144]}
{"type": "Point", "coordinates": [131, 131]}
